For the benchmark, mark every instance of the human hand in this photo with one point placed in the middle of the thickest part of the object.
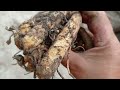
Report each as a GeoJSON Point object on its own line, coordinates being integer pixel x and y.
{"type": "Point", "coordinates": [102, 61]}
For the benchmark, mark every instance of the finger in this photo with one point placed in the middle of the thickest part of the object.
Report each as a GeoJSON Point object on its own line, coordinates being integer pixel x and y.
{"type": "Point", "coordinates": [85, 36]}
{"type": "Point", "coordinates": [77, 64]}
{"type": "Point", "coordinates": [99, 24]}
{"type": "Point", "coordinates": [75, 60]}
{"type": "Point", "coordinates": [87, 29]}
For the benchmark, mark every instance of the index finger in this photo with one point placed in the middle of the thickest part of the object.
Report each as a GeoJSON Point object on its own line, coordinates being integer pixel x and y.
{"type": "Point", "coordinates": [99, 24]}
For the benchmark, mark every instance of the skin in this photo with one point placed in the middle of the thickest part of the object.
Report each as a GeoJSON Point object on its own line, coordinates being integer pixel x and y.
{"type": "Point", "coordinates": [102, 61]}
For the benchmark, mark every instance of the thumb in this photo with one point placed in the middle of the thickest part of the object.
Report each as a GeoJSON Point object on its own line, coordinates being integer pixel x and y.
{"type": "Point", "coordinates": [76, 61]}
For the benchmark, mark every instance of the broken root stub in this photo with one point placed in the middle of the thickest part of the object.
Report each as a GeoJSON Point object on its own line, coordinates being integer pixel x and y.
{"type": "Point", "coordinates": [45, 38]}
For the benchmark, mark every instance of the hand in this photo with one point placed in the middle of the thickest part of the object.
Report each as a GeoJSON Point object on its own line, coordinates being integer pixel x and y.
{"type": "Point", "coordinates": [102, 61]}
